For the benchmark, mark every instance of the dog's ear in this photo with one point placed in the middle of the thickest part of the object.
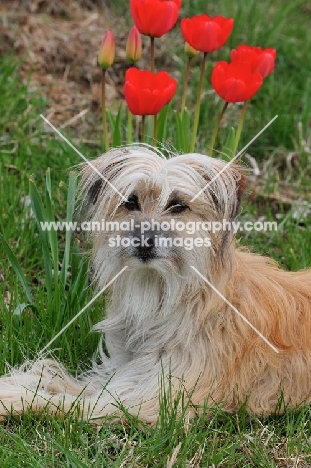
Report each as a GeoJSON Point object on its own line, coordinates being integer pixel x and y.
{"type": "Point", "coordinates": [99, 173]}
{"type": "Point", "coordinates": [226, 190]}
{"type": "Point", "coordinates": [95, 190]}
{"type": "Point", "coordinates": [94, 181]}
{"type": "Point", "coordinates": [90, 187]}
{"type": "Point", "coordinates": [240, 182]}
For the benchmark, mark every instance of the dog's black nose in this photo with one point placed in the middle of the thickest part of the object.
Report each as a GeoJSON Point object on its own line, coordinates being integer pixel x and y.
{"type": "Point", "coordinates": [145, 244]}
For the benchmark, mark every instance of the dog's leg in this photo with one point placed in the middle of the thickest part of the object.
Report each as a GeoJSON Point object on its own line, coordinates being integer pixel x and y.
{"type": "Point", "coordinates": [139, 384]}
{"type": "Point", "coordinates": [35, 385]}
{"type": "Point", "coordinates": [46, 386]}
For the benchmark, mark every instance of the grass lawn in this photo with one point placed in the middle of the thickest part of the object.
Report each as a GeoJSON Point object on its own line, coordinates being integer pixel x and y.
{"type": "Point", "coordinates": [35, 304]}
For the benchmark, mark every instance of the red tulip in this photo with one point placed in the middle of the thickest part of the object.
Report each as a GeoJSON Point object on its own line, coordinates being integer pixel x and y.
{"type": "Point", "coordinates": [154, 17]}
{"type": "Point", "coordinates": [260, 60]}
{"type": "Point", "coordinates": [133, 46]}
{"type": "Point", "coordinates": [107, 51]}
{"type": "Point", "coordinates": [146, 92]}
{"type": "Point", "coordinates": [205, 33]}
{"type": "Point", "coordinates": [235, 82]}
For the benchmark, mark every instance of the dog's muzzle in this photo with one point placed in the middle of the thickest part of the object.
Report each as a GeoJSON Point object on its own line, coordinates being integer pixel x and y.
{"type": "Point", "coordinates": [144, 244]}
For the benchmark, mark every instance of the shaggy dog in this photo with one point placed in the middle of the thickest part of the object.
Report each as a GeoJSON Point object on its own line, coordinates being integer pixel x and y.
{"type": "Point", "coordinates": [165, 317]}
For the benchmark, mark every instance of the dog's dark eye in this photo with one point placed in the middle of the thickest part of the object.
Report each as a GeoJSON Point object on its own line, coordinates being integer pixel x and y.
{"type": "Point", "coordinates": [176, 206]}
{"type": "Point", "coordinates": [179, 208]}
{"type": "Point", "coordinates": [132, 204]}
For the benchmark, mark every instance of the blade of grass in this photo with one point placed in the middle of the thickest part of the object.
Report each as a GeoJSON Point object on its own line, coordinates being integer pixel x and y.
{"type": "Point", "coordinates": [117, 131]}
{"type": "Point", "coordinates": [17, 269]}
{"type": "Point", "coordinates": [48, 213]}
{"type": "Point", "coordinates": [40, 216]}
{"type": "Point", "coordinates": [71, 196]}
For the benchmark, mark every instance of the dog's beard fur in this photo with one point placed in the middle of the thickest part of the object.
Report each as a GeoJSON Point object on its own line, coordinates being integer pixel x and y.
{"type": "Point", "coordinates": [162, 316]}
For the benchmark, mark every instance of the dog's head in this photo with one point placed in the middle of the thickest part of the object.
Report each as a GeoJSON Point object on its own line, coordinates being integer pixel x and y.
{"type": "Point", "coordinates": [153, 213]}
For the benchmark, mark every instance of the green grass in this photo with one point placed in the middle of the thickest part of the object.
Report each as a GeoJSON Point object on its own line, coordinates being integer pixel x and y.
{"type": "Point", "coordinates": [34, 309]}
{"type": "Point", "coordinates": [46, 301]}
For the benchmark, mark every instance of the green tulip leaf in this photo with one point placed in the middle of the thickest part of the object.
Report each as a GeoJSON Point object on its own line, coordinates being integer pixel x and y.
{"type": "Point", "coordinates": [228, 148]}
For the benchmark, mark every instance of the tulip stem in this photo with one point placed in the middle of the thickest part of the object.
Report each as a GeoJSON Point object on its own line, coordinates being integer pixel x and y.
{"type": "Point", "coordinates": [215, 131]}
{"type": "Point", "coordinates": [129, 127]}
{"type": "Point", "coordinates": [152, 54]}
{"type": "Point", "coordinates": [155, 119]}
{"type": "Point", "coordinates": [186, 79]}
{"type": "Point", "coordinates": [143, 121]}
{"type": "Point", "coordinates": [198, 105]}
{"type": "Point", "coordinates": [239, 129]}
{"type": "Point", "coordinates": [104, 113]}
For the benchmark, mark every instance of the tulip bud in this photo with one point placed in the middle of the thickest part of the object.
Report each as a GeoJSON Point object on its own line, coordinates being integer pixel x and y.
{"type": "Point", "coordinates": [133, 46]}
{"type": "Point", "coordinates": [190, 51]}
{"type": "Point", "coordinates": [107, 51]}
